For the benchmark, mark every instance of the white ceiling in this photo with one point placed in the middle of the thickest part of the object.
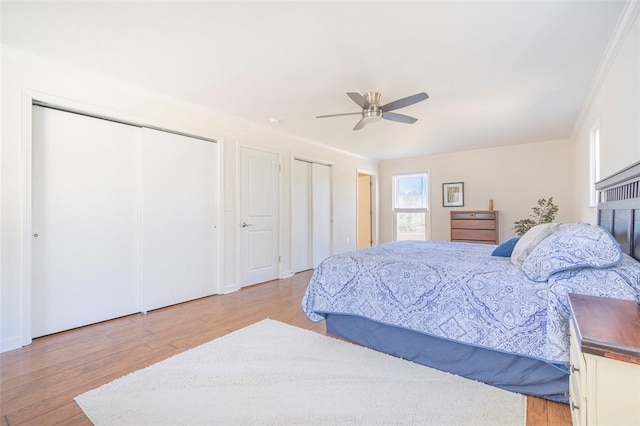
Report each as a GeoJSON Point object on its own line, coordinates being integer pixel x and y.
{"type": "Point", "coordinates": [497, 72]}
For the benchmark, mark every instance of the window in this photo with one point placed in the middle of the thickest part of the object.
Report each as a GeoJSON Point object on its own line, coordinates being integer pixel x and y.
{"type": "Point", "coordinates": [410, 201]}
{"type": "Point", "coordinates": [594, 156]}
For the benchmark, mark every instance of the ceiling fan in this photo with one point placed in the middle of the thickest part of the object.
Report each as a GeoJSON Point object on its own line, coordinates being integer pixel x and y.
{"type": "Point", "coordinates": [373, 111]}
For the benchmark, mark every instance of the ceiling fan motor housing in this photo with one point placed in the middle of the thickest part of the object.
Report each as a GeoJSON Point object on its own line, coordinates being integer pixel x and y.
{"type": "Point", "coordinates": [373, 112]}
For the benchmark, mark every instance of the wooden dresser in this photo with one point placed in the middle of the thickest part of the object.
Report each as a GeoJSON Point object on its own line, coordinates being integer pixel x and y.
{"type": "Point", "coordinates": [604, 387]}
{"type": "Point", "coordinates": [480, 226]}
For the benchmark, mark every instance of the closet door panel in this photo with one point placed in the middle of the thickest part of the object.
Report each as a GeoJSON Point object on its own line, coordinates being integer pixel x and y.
{"type": "Point", "coordinates": [179, 220]}
{"type": "Point", "coordinates": [321, 213]}
{"type": "Point", "coordinates": [85, 213]}
{"type": "Point", "coordinates": [301, 216]}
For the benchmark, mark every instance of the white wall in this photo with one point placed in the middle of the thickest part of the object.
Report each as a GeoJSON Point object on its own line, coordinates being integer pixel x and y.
{"type": "Point", "coordinates": [616, 107]}
{"type": "Point", "coordinates": [22, 72]}
{"type": "Point", "coordinates": [514, 177]}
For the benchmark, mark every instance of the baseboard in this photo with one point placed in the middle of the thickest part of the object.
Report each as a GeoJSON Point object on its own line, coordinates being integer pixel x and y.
{"type": "Point", "coordinates": [229, 288]}
{"type": "Point", "coordinates": [10, 344]}
{"type": "Point", "coordinates": [286, 274]}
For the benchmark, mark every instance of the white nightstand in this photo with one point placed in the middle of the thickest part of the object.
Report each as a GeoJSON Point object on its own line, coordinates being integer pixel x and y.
{"type": "Point", "coordinates": [604, 385]}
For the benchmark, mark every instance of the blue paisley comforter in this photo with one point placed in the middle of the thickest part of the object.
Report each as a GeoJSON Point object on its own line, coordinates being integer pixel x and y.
{"type": "Point", "coordinates": [460, 292]}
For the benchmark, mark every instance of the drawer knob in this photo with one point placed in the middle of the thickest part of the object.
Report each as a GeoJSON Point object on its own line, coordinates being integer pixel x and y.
{"type": "Point", "coordinates": [574, 369]}
{"type": "Point", "coordinates": [574, 406]}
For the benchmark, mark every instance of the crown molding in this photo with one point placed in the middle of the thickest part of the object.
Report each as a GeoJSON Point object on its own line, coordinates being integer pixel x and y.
{"type": "Point", "coordinates": [623, 26]}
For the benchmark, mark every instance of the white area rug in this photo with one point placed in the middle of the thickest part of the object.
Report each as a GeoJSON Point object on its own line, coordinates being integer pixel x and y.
{"type": "Point", "coordinates": [274, 373]}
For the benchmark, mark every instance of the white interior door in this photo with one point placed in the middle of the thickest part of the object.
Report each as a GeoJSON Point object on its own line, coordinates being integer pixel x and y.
{"type": "Point", "coordinates": [321, 213]}
{"type": "Point", "coordinates": [259, 215]}
{"type": "Point", "coordinates": [85, 220]}
{"type": "Point", "coordinates": [179, 221]}
{"type": "Point", "coordinates": [301, 216]}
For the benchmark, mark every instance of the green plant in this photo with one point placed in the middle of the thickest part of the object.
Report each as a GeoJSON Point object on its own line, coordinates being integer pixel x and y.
{"type": "Point", "coordinates": [544, 213]}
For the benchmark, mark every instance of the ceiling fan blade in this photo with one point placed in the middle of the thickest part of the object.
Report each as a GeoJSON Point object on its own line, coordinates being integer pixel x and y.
{"type": "Point", "coordinates": [339, 115]}
{"type": "Point", "coordinates": [404, 102]}
{"type": "Point", "coordinates": [359, 99]}
{"type": "Point", "coordinates": [398, 117]}
{"type": "Point", "coordinates": [360, 124]}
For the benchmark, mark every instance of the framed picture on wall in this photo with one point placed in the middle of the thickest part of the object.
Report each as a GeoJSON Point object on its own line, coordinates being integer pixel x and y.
{"type": "Point", "coordinates": [453, 194]}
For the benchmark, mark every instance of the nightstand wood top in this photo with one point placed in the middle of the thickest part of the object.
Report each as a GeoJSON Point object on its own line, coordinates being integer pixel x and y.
{"type": "Point", "coordinates": [607, 327]}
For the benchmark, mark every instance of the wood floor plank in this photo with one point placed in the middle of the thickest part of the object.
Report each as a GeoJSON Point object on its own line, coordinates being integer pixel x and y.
{"type": "Point", "coordinates": [39, 382]}
{"type": "Point", "coordinates": [558, 414]}
{"type": "Point", "coordinates": [69, 414]}
{"type": "Point", "coordinates": [536, 412]}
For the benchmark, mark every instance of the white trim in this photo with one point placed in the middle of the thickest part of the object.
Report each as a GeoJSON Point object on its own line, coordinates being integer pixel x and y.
{"type": "Point", "coordinates": [237, 285]}
{"type": "Point", "coordinates": [73, 106]}
{"type": "Point", "coordinates": [27, 127]}
{"type": "Point", "coordinates": [311, 160]}
{"type": "Point", "coordinates": [374, 204]}
{"type": "Point", "coordinates": [220, 224]}
{"type": "Point", "coordinates": [286, 274]}
{"type": "Point", "coordinates": [623, 26]}
{"type": "Point", "coordinates": [292, 157]}
{"type": "Point", "coordinates": [594, 161]}
{"type": "Point", "coordinates": [140, 208]}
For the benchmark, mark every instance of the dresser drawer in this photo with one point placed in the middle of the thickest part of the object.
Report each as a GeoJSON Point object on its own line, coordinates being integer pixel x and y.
{"type": "Point", "coordinates": [473, 241]}
{"type": "Point", "coordinates": [473, 224]}
{"type": "Point", "coordinates": [473, 234]}
{"type": "Point", "coordinates": [474, 215]}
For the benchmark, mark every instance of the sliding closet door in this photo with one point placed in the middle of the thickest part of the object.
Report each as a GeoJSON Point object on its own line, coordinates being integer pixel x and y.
{"type": "Point", "coordinates": [85, 220]}
{"type": "Point", "coordinates": [180, 224]}
{"type": "Point", "coordinates": [311, 216]}
{"type": "Point", "coordinates": [301, 216]}
{"type": "Point", "coordinates": [321, 213]}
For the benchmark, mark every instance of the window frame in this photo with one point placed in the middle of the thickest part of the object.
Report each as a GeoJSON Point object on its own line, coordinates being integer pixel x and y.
{"type": "Point", "coordinates": [594, 162]}
{"type": "Point", "coordinates": [399, 210]}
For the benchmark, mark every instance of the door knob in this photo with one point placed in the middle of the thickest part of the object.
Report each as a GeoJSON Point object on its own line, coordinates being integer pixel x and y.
{"type": "Point", "coordinates": [245, 224]}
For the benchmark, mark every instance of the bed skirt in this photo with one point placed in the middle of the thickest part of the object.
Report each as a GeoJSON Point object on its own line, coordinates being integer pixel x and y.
{"type": "Point", "coordinates": [515, 373]}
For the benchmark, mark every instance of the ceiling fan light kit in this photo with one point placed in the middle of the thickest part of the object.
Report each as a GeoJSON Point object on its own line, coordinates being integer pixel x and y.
{"type": "Point", "coordinates": [373, 111]}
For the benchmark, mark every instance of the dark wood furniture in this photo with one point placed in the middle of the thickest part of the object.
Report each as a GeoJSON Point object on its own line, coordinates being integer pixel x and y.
{"type": "Point", "coordinates": [607, 327]}
{"type": "Point", "coordinates": [604, 385]}
{"type": "Point", "coordinates": [619, 208]}
{"type": "Point", "coordinates": [480, 226]}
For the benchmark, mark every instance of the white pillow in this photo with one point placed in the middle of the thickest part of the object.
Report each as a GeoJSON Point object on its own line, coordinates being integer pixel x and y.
{"type": "Point", "coordinates": [530, 239]}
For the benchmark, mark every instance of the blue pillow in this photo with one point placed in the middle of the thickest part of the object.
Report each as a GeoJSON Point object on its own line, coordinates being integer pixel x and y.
{"type": "Point", "coordinates": [505, 249]}
{"type": "Point", "coordinates": [573, 246]}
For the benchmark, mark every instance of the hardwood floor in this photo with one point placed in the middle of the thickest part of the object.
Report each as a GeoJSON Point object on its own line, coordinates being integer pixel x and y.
{"type": "Point", "coordinates": [38, 382]}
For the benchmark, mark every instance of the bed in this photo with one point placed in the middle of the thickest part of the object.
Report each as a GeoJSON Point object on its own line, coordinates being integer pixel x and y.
{"type": "Point", "coordinates": [458, 308]}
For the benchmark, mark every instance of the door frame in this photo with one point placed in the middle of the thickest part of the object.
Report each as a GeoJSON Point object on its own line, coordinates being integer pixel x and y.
{"type": "Point", "coordinates": [374, 204]}
{"type": "Point", "coordinates": [238, 211]}
{"type": "Point", "coordinates": [31, 98]}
